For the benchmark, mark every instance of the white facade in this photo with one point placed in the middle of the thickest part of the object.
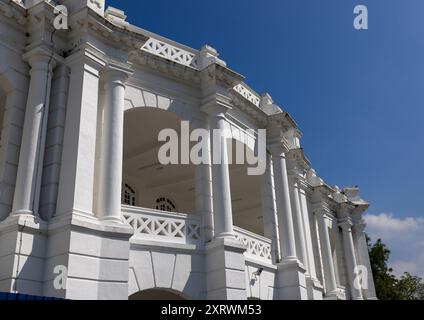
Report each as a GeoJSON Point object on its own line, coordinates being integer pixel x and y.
{"type": "Point", "coordinates": [80, 113]}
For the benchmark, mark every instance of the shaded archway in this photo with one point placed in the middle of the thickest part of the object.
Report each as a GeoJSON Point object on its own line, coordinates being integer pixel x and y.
{"type": "Point", "coordinates": [146, 182]}
{"type": "Point", "coordinates": [158, 294]}
{"type": "Point", "coordinates": [245, 193]}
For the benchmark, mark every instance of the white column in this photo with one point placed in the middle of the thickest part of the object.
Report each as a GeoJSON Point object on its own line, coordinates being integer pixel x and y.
{"type": "Point", "coordinates": [203, 189]}
{"type": "Point", "coordinates": [77, 175]}
{"type": "Point", "coordinates": [327, 257]}
{"type": "Point", "coordinates": [298, 220]}
{"type": "Point", "coordinates": [110, 173]}
{"type": "Point", "coordinates": [32, 147]}
{"type": "Point", "coordinates": [222, 207]}
{"type": "Point", "coordinates": [284, 213]}
{"type": "Point", "coordinates": [351, 263]}
{"type": "Point", "coordinates": [269, 209]}
{"type": "Point", "coordinates": [364, 260]}
{"type": "Point", "coordinates": [308, 233]}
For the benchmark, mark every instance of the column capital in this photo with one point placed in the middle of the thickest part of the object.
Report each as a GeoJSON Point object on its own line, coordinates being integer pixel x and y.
{"type": "Point", "coordinates": [345, 224]}
{"type": "Point", "coordinates": [87, 60]}
{"type": "Point", "coordinates": [345, 211]}
{"type": "Point", "coordinates": [216, 105]}
{"type": "Point", "coordinates": [359, 227]}
{"type": "Point", "coordinates": [278, 146]}
{"type": "Point", "coordinates": [323, 213]}
{"type": "Point", "coordinates": [40, 59]}
{"type": "Point", "coordinates": [117, 72]}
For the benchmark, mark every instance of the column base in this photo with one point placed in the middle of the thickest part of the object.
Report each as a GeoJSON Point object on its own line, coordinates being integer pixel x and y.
{"type": "Point", "coordinates": [315, 289]}
{"type": "Point", "coordinates": [338, 294]}
{"type": "Point", "coordinates": [225, 270]}
{"type": "Point", "coordinates": [22, 212]}
{"type": "Point", "coordinates": [291, 281]}
{"type": "Point", "coordinates": [23, 239]}
{"type": "Point", "coordinates": [112, 220]}
{"type": "Point", "coordinates": [98, 271]}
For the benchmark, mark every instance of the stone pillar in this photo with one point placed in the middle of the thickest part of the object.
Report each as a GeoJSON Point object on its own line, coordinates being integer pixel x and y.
{"type": "Point", "coordinates": [95, 252]}
{"type": "Point", "coordinates": [112, 148]}
{"type": "Point", "coordinates": [308, 237]}
{"type": "Point", "coordinates": [327, 256]}
{"type": "Point", "coordinates": [314, 286]}
{"type": "Point", "coordinates": [225, 262]}
{"type": "Point", "coordinates": [291, 281]}
{"type": "Point", "coordinates": [297, 218]}
{"type": "Point", "coordinates": [32, 147]}
{"type": "Point", "coordinates": [203, 188]}
{"type": "Point", "coordinates": [350, 257]}
{"type": "Point", "coordinates": [360, 241]}
{"type": "Point", "coordinates": [269, 210]}
{"type": "Point", "coordinates": [222, 208]}
{"type": "Point", "coordinates": [77, 175]}
{"type": "Point", "coordinates": [225, 270]}
{"type": "Point", "coordinates": [284, 213]}
{"type": "Point", "coordinates": [54, 142]}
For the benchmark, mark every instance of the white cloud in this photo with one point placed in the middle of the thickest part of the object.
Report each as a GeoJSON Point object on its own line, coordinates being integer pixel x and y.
{"type": "Point", "coordinates": [405, 239]}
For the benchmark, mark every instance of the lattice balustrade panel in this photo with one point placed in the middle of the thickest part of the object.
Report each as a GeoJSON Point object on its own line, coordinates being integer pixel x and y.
{"type": "Point", "coordinates": [247, 94]}
{"type": "Point", "coordinates": [255, 247]}
{"type": "Point", "coordinates": [170, 52]}
{"type": "Point", "coordinates": [154, 227]}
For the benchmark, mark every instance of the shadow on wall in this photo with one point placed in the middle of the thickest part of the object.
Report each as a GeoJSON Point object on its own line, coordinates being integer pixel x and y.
{"type": "Point", "coordinates": [158, 294]}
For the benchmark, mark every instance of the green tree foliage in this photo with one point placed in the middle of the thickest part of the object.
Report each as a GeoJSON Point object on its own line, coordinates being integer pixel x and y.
{"type": "Point", "coordinates": [387, 286]}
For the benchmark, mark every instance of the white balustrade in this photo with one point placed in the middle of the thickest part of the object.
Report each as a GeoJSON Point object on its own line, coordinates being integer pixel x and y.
{"type": "Point", "coordinates": [258, 247]}
{"type": "Point", "coordinates": [170, 52]}
{"type": "Point", "coordinates": [190, 59]}
{"type": "Point", "coordinates": [248, 94]}
{"type": "Point", "coordinates": [156, 225]}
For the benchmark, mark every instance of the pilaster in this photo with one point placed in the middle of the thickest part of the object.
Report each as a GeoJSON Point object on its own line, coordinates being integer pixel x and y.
{"type": "Point", "coordinates": [225, 267]}
{"type": "Point", "coordinates": [77, 176]}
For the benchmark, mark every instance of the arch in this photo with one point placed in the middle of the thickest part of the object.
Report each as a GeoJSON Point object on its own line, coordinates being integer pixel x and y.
{"type": "Point", "coordinates": [159, 294]}
{"type": "Point", "coordinates": [141, 165]}
{"type": "Point", "coordinates": [136, 98]}
{"type": "Point", "coordinates": [246, 194]}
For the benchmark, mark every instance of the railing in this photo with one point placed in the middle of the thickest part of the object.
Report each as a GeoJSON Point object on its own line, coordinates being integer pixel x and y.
{"type": "Point", "coordinates": [248, 94]}
{"type": "Point", "coordinates": [170, 52]}
{"type": "Point", "coordinates": [190, 59]}
{"type": "Point", "coordinates": [149, 224]}
{"type": "Point", "coordinates": [257, 247]}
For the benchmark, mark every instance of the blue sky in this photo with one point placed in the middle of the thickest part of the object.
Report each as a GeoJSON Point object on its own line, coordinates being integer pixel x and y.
{"type": "Point", "coordinates": [358, 96]}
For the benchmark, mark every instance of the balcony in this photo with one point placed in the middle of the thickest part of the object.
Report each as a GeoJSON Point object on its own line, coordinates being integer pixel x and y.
{"type": "Point", "coordinates": [177, 228]}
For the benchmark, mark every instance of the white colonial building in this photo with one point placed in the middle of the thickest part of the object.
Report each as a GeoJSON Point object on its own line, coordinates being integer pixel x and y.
{"type": "Point", "coordinates": [88, 212]}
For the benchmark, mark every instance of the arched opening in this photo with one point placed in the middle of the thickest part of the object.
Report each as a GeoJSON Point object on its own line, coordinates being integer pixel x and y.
{"type": "Point", "coordinates": [158, 294]}
{"type": "Point", "coordinates": [245, 193]}
{"type": "Point", "coordinates": [146, 182]}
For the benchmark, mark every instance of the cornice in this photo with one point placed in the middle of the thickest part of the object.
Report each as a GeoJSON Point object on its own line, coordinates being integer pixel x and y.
{"type": "Point", "coordinates": [87, 20]}
{"type": "Point", "coordinates": [282, 120]}
{"type": "Point", "coordinates": [249, 108]}
{"type": "Point", "coordinates": [166, 67]}
{"type": "Point", "coordinates": [298, 160]}
{"type": "Point", "coordinates": [13, 11]}
{"type": "Point", "coordinates": [216, 74]}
